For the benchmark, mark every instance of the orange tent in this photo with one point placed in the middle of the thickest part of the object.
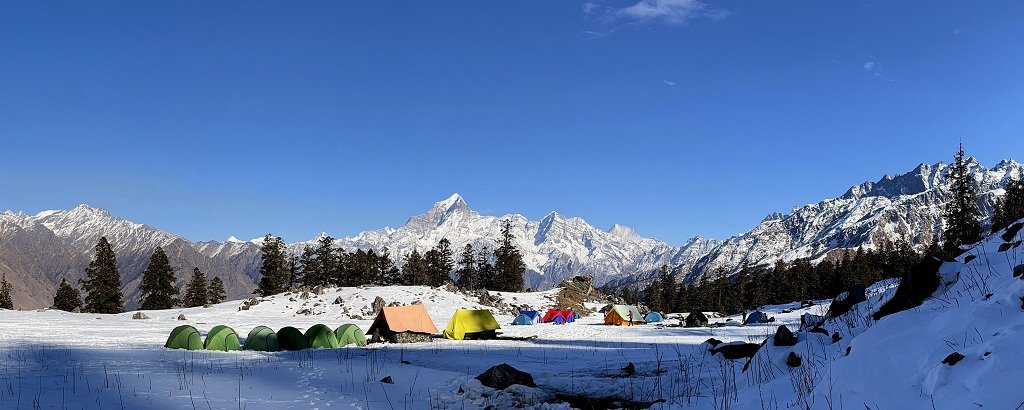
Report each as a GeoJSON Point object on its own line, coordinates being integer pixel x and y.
{"type": "Point", "coordinates": [393, 320]}
{"type": "Point", "coordinates": [620, 315]}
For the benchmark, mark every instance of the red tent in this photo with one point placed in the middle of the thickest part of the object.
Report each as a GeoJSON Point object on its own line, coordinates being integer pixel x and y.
{"type": "Point", "coordinates": [566, 315]}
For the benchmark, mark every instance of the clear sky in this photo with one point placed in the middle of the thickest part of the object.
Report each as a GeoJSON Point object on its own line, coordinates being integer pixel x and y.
{"type": "Point", "coordinates": [675, 117]}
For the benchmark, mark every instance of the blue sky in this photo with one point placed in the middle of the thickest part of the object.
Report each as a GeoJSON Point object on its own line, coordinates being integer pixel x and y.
{"type": "Point", "coordinates": [675, 117]}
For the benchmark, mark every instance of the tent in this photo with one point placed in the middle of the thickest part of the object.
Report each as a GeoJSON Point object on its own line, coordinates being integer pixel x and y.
{"type": "Point", "coordinates": [349, 334]}
{"type": "Point", "coordinates": [184, 337]}
{"type": "Point", "coordinates": [558, 320]}
{"type": "Point", "coordinates": [222, 338]}
{"type": "Point", "coordinates": [263, 339]}
{"type": "Point", "coordinates": [522, 319]}
{"type": "Point", "coordinates": [321, 336]}
{"type": "Point", "coordinates": [402, 323]}
{"type": "Point", "coordinates": [532, 314]}
{"type": "Point", "coordinates": [756, 317]}
{"type": "Point", "coordinates": [696, 319]}
{"type": "Point", "coordinates": [471, 324]}
{"type": "Point", "coordinates": [566, 315]}
{"type": "Point", "coordinates": [653, 317]}
{"type": "Point", "coordinates": [623, 315]}
{"type": "Point", "coordinates": [575, 315]}
{"type": "Point", "coordinates": [290, 338]}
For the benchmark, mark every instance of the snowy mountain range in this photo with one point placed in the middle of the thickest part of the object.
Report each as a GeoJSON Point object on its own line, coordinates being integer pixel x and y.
{"type": "Point", "coordinates": [36, 251]}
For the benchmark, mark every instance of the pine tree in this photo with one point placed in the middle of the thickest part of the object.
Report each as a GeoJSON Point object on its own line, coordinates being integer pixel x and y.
{"type": "Point", "coordinates": [668, 289]}
{"type": "Point", "coordinates": [67, 298]}
{"type": "Point", "coordinates": [1010, 207]}
{"type": "Point", "coordinates": [102, 282]}
{"type": "Point", "coordinates": [508, 262]}
{"type": "Point", "coordinates": [652, 296]}
{"type": "Point", "coordinates": [415, 272]}
{"type": "Point", "coordinates": [485, 269]}
{"type": "Point", "coordinates": [195, 292]}
{"type": "Point", "coordinates": [215, 292]}
{"type": "Point", "coordinates": [389, 273]}
{"type": "Point", "coordinates": [157, 290]}
{"type": "Point", "coordinates": [962, 216]}
{"type": "Point", "coordinates": [330, 269]}
{"type": "Point", "coordinates": [439, 263]}
{"type": "Point", "coordinates": [274, 269]}
{"type": "Point", "coordinates": [468, 279]}
{"type": "Point", "coordinates": [6, 300]}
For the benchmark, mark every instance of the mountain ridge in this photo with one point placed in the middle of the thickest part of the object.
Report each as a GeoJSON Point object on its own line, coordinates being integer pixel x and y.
{"type": "Point", "coordinates": [37, 250]}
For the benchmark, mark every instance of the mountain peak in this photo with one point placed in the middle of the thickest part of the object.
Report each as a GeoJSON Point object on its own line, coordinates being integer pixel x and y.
{"type": "Point", "coordinates": [622, 231]}
{"type": "Point", "coordinates": [451, 204]}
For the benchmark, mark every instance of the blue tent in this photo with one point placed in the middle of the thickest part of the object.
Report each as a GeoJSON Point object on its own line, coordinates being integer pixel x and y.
{"type": "Point", "coordinates": [570, 318]}
{"type": "Point", "coordinates": [756, 317]}
{"type": "Point", "coordinates": [575, 315]}
{"type": "Point", "coordinates": [532, 314]}
{"type": "Point", "coordinates": [653, 317]}
{"type": "Point", "coordinates": [523, 319]}
{"type": "Point", "coordinates": [558, 320]}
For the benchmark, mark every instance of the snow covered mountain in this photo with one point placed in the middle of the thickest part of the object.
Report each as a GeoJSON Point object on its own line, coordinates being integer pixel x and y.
{"type": "Point", "coordinates": [905, 207]}
{"type": "Point", "coordinates": [36, 251]}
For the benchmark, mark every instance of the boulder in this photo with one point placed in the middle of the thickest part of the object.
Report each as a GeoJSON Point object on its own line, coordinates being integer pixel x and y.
{"type": "Point", "coordinates": [916, 285]}
{"type": "Point", "coordinates": [181, 316]}
{"type": "Point", "coordinates": [140, 315]}
{"type": "Point", "coordinates": [810, 321]}
{"type": "Point", "coordinates": [836, 337]}
{"type": "Point", "coordinates": [784, 337]}
{"type": "Point", "coordinates": [305, 311]}
{"type": "Point", "coordinates": [1011, 232]}
{"type": "Point", "coordinates": [736, 350]}
{"type": "Point", "coordinates": [845, 300]}
{"type": "Point", "coordinates": [377, 305]}
{"type": "Point", "coordinates": [629, 370]}
{"type": "Point", "coordinates": [77, 309]}
{"type": "Point", "coordinates": [1018, 271]}
{"type": "Point", "coordinates": [501, 376]}
{"type": "Point", "coordinates": [387, 380]}
{"type": "Point", "coordinates": [794, 360]}
{"type": "Point", "coordinates": [338, 301]}
{"type": "Point", "coordinates": [953, 358]}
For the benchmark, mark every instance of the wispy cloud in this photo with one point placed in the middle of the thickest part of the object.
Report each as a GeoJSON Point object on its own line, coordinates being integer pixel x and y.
{"type": "Point", "coordinates": [671, 83]}
{"type": "Point", "coordinates": [870, 65]}
{"type": "Point", "coordinates": [671, 12]}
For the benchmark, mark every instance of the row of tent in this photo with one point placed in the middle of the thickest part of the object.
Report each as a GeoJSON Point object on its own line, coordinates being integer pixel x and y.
{"type": "Point", "coordinates": [395, 322]}
{"type": "Point", "coordinates": [533, 317]}
{"type": "Point", "coordinates": [262, 338]}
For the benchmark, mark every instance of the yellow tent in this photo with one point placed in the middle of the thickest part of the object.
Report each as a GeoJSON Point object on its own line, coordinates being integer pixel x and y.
{"type": "Point", "coordinates": [471, 324]}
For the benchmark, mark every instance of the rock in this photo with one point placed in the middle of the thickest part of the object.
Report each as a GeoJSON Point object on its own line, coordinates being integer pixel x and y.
{"type": "Point", "coordinates": [319, 290]}
{"type": "Point", "coordinates": [181, 317]}
{"type": "Point", "coordinates": [713, 342]}
{"type": "Point", "coordinates": [806, 303]}
{"type": "Point", "coordinates": [629, 370]}
{"type": "Point", "coordinates": [207, 306]}
{"type": "Point", "coordinates": [388, 380]}
{"type": "Point", "coordinates": [304, 295]}
{"type": "Point", "coordinates": [245, 306]}
{"type": "Point", "coordinates": [417, 302]}
{"type": "Point", "coordinates": [819, 330]}
{"type": "Point", "coordinates": [305, 311]}
{"type": "Point", "coordinates": [915, 286]}
{"type": "Point", "coordinates": [378, 304]}
{"type": "Point", "coordinates": [316, 304]}
{"type": "Point", "coordinates": [292, 300]}
{"type": "Point", "coordinates": [338, 301]}
{"type": "Point", "coordinates": [969, 258]}
{"type": "Point", "coordinates": [140, 315]}
{"type": "Point", "coordinates": [784, 337]}
{"type": "Point", "coordinates": [501, 376]}
{"type": "Point", "coordinates": [794, 360]}
{"type": "Point", "coordinates": [1011, 232]}
{"type": "Point", "coordinates": [810, 321]}
{"type": "Point", "coordinates": [393, 304]}
{"type": "Point", "coordinates": [836, 337]}
{"type": "Point", "coordinates": [1018, 271]}
{"type": "Point", "coordinates": [77, 310]}
{"type": "Point", "coordinates": [953, 358]}
{"type": "Point", "coordinates": [734, 351]}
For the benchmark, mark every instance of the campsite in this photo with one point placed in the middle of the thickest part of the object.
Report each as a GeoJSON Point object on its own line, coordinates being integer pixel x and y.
{"type": "Point", "coordinates": [87, 358]}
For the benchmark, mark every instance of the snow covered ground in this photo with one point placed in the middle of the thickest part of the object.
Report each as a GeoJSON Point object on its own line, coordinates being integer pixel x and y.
{"type": "Point", "coordinates": [53, 359]}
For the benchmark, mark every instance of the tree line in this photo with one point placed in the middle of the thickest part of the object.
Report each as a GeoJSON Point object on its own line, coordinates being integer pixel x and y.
{"type": "Point", "coordinates": [102, 286]}
{"type": "Point", "coordinates": [784, 282]}
{"type": "Point", "coordinates": [326, 264]}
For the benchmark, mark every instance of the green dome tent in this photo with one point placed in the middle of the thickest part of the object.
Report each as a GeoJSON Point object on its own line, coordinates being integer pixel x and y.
{"type": "Point", "coordinates": [348, 334]}
{"type": "Point", "coordinates": [290, 338]}
{"type": "Point", "coordinates": [263, 339]}
{"type": "Point", "coordinates": [321, 336]}
{"type": "Point", "coordinates": [222, 338]}
{"type": "Point", "coordinates": [184, 337]}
